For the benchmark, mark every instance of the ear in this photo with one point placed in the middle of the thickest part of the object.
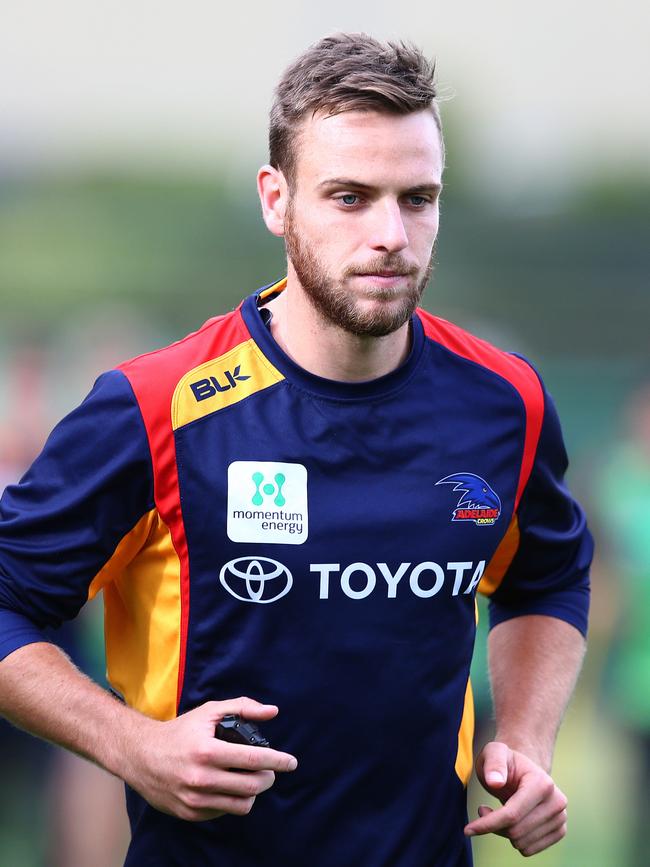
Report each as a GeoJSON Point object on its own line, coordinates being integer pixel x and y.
{"type": "Point", "coordinates": [273, 191]}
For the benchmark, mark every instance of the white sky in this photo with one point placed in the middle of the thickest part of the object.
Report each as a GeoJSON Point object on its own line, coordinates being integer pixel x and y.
{"type": "Point", "coordinates": [545, 88]}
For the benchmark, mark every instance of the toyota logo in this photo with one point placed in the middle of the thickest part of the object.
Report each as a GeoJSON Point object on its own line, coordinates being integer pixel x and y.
{"type": "Point", "coordinates": [252, 576]}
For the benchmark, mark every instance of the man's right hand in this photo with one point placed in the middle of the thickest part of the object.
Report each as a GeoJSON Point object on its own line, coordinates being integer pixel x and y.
{"type": "Point", "coordinates": [179, 766]}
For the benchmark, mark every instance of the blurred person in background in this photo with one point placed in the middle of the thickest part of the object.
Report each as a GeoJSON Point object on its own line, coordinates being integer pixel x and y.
{"type": "Point", "coordinates": [623, 497]}
{"type": "Point", "coordinates": [326, 418]}
{"type": "Point", "coordinates": [83, 817]}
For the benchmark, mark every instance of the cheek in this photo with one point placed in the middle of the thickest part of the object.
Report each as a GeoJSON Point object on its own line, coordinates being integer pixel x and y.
{"type": "Point", "coordinates": [327, 223]}
{"type": "Point", "coordinates": [335, 235]}
{"type": "Point", "coordinates": [312, 222]}
{"type": "Point", "coordinates": [422, 236]}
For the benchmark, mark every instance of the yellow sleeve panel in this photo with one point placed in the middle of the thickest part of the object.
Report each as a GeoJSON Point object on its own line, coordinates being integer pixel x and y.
{"type": "Point", "coordinates": [465, 756]}
{"type": "Point", "coordinates": [142, 616]}
{"type": "Point", "coordinates": [503, 556]}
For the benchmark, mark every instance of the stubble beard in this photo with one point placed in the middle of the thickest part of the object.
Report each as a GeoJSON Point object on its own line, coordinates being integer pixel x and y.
{"type": "Point", "coordinates": [338, 306]}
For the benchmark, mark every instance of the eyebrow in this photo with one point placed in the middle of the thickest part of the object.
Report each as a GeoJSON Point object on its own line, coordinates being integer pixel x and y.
{"type": "Point", "coordinates": [358, 185]}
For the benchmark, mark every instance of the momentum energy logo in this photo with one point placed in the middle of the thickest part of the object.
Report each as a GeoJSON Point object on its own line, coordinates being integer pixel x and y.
{"type": "Point", "coordinates": [267, 502]}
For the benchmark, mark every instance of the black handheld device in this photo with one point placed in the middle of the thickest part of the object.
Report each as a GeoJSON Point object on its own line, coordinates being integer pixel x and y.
{"type": "Point", "coordinates": [236, 730]}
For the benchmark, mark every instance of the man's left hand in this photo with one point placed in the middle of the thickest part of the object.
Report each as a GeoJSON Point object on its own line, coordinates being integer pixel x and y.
{"type": "Point", "coordinates": [533, 816]}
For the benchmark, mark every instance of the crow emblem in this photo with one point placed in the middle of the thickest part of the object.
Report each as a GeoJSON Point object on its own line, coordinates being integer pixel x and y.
{"type": "Point", "coordinates": [478, 502]}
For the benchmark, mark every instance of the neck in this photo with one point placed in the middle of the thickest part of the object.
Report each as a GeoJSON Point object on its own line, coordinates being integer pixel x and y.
{"type": "Point", "coordinates": [325, 349]}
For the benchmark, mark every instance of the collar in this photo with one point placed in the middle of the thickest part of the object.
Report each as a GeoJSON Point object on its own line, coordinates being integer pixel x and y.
{"type": "Point", "coordinates": [343, 391]}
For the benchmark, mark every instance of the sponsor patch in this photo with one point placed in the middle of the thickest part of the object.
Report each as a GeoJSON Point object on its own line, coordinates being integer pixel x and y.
{"type": "Point", "coordinates": [267, 502]}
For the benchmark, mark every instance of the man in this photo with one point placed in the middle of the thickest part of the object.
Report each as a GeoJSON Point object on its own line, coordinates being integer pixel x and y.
{"type": "Point", "coordinates": [298, 502]}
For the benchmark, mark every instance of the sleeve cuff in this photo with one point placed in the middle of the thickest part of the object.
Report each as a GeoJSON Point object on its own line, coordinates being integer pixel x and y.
{"type": "Point", "coordinates": [572, 606]}
{"type": "Point", "coordinates": [16, 630]}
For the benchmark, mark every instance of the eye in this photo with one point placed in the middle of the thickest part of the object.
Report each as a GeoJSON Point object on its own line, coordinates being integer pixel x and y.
{"type": "Point", "coordinates": [349, 199]}
{"type": "Point", "coordinates": [418, 201]}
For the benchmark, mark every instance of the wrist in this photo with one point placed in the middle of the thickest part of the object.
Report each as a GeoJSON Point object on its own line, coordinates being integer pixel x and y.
{"type": "Point", "coordinates": [541, 754]}
{"type": "Point", "coordinates": [127, 738]}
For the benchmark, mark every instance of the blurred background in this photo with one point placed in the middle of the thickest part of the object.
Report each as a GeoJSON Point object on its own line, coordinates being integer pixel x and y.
{"type": "Point", "coordinates": [130, 135]}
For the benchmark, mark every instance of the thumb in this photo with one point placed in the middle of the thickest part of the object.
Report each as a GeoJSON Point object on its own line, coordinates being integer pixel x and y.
{"type": "Point", "coordinates": [494, 764]}
{"type": "Point", "coordinates": [245, 707]}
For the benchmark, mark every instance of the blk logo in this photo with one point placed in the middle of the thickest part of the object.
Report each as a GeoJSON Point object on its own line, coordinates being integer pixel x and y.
{"type": "Point", "coordinates": [256, 579]}
{"type": "Point", "coordinates": [204, 388]}
{"type": "Point", "coordinates": [268, 489]}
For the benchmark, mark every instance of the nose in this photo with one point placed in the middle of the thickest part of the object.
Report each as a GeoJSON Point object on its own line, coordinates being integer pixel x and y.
{"type": "Point", "coordinates": [388, 233]}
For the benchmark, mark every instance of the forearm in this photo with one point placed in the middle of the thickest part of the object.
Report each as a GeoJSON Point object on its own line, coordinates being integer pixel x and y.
{"type": "Point", "coordinates": [534, 664]}
{"type": "Point", "coordinates": [42, 692]}
{"type": "Point", "coordinates": [178, 766]}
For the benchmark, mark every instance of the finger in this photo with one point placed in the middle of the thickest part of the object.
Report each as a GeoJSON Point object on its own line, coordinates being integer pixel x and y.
{"type": "Point", "coordinates": [546, 841]}
{"type": "Point", "coordinates": [483, 810]}
{"type": "Point", "coordinates": [521, 841]}
{"type": "Point", "coordinates": [498, 821]}
{"type": "Point", "coordinates": [240, 785]}
{"type": "Point", "coordinates": [252, 758]}
{"type": "Point", "coordinates": [545, 813]}
{"type": "Point", "coordinates": [226, 792]}
{"type": "Point", "coordinates": [244, 707]}
{"type": "Point", "coordinates": [201, 806]}
{"type": "Point", "coordinates": [492, 764]}
{"type": "Point", "coordinates": [525, 799]}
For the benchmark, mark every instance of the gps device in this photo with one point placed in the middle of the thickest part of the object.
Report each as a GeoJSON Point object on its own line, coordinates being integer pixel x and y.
{"type": "Point", "coordinates": [236, 730]}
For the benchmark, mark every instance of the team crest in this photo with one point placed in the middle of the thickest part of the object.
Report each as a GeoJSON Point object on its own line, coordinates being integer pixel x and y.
{"type": "Point", "coordinates": [478, 503]}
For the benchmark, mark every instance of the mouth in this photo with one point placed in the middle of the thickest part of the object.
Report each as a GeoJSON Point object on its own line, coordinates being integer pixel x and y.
{"type": "Point", "coordinates": [384, 278]}
{"type": "Point", "coordinates": [387, 274]}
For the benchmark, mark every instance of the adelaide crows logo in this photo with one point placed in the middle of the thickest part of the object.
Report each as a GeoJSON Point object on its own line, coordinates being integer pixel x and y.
{"type": "Point", "coordinates": [478, 503]}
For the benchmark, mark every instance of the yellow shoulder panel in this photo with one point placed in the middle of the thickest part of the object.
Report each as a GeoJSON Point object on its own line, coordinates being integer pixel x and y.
{"type": "Point", "coordinates": [222, 381]}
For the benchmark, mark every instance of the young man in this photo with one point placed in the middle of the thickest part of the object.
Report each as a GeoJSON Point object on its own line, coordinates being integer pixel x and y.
{"type": "Point", "coordinates": [299, 502]}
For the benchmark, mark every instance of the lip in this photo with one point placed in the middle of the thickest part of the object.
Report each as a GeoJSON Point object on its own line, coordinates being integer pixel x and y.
{"type": "Point", "coordinates": [383, 274]}
{"type": "Point", "coordinates": [385, 278]}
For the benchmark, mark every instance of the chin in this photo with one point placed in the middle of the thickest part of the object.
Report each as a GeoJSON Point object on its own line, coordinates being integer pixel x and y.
{"type": "Point", "coordinates": [380, 320]}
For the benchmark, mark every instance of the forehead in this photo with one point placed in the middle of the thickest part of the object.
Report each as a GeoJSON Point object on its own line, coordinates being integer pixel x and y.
{"type": "Point", "coordinates": [371, 147]}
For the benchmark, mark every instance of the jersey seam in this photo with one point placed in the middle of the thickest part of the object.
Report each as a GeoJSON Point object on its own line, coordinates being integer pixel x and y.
{"type": "Point", "coordinates": [146, 436]}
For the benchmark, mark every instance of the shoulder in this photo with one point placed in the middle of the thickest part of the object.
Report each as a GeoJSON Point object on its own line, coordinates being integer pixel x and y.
{"type": "Point", "coordinates": [154, 376]}
{"type": "Point", "coordinates": [515, 370]}
{"type": "Point", "coordinates": [217, 336]}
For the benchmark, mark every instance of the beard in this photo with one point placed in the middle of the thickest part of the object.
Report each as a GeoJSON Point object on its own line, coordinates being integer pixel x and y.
{"type": "Point", "coordinates": [337, 305]}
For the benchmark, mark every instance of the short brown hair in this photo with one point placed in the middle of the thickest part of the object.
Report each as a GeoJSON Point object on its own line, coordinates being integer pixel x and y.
{"type": "Point", "coordinates": [348, 72]}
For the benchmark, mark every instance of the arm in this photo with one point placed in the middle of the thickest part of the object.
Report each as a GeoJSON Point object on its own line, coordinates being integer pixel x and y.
{"type": "Point", "coordinates": [59, 527]}
{"type": "Point", "coordinates": [178, 766]}
{"type": "Point", "coordinates": [539, 600]}
{"type": "Point", "coordinates": [534, 663]}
